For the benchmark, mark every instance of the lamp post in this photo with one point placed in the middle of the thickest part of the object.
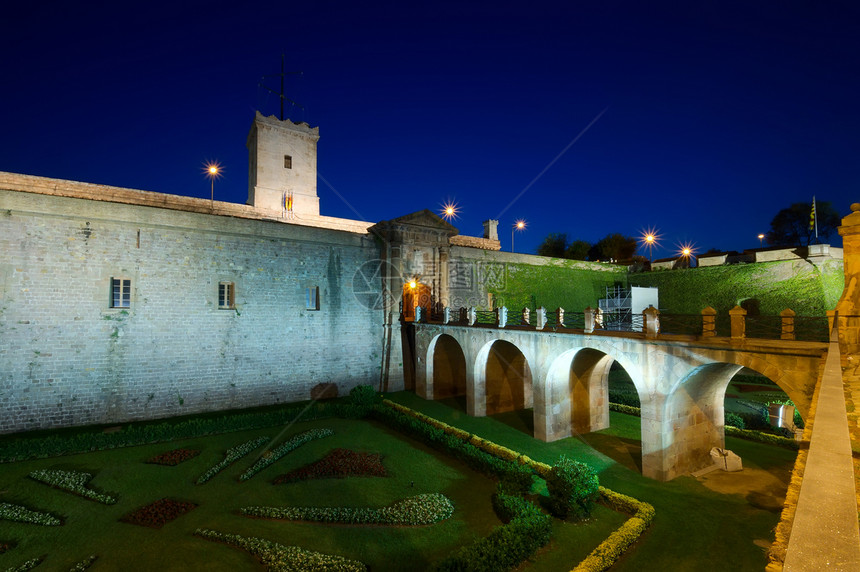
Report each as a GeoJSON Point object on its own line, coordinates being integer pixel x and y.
{"type": "Point", "coordinates": [213, 171]}
{"type": "Point", "coordinates": [761, 240]}
{"type": "Point", "coordinates": [519, 225]}
{"type": "Point", "coordinates": [650, 239]}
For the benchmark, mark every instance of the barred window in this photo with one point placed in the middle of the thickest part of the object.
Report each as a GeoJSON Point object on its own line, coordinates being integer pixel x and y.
{"type": "Point", "coordinates": [288, 162]}
{"type": "Point", "coordinates": [226, 296]}
{"type": "Point", "coordinates": [312, 298]}
{"type": "Point", "coordinates": [120, 293]}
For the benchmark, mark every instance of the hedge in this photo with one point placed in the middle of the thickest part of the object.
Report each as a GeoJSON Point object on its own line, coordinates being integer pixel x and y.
{"type": "Point", "coordinates": [26, 448]}
{"type": "Point", "coordinates": [610, 550]}
{"type": "Point", "coordinates": [602, 557]}
{"type": "Point", "coordinates": [527, 529]}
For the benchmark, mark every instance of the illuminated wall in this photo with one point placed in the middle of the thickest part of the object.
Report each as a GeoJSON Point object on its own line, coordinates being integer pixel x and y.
{"type": "Point", "coordinates": [211, 312]}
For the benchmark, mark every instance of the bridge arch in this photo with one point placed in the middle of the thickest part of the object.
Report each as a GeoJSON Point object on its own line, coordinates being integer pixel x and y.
{"type": "Point", "coordinates": [575, 396]}
{"type": "Point", "coordinates": [446, 367]}
{"type": "Point", "coordinates": [694, 417]}
{"type": "Point", "coordinates": [503, 377]}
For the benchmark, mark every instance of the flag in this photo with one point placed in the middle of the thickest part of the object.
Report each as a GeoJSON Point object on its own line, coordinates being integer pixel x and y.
{"type": "Point", "coordinates": [812, 216]}
{"type": "Point", "coordinates": [288, 202]}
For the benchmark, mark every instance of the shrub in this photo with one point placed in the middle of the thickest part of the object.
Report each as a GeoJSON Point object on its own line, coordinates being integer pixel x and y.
{"type": "Point", "coordinates": [573, 488]}
{"type": "Point", "coordinates": [624, 398]}
{"type": "Point", "coordinates": [735, 420]}
{"type": "Point", "coordinates": [361, 400]}
{"type": "Point", "coordinates": [506, 546]}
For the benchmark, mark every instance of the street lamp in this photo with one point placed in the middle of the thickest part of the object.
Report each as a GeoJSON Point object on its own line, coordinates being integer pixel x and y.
{"type": "Point", "coordinates": [687, 252]}
{"type": "Point", "coordinates": [650, 238]}
{"type": "Point", "coordinates": [761, 241]}
{"type": "Point", "coordinates": [519, 225]}
{"type": "Point", "coordinates": [212, 170]}
{"type": "Point", "coordinates": [449, 211]}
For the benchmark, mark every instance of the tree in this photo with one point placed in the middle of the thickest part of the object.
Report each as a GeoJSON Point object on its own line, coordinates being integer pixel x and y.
{"type": "Point", "coordinates": [553, 245]}
{"type": "Point", "coordinates": [790, 226]}
{"type": "Point", "coordinates": [577, 250]}
{"type": "Point", "coordinates": [613, 247]}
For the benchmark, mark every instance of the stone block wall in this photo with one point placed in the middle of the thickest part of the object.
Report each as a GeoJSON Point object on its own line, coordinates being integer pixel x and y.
{"type": "Point", "coordinates": [68, 358]}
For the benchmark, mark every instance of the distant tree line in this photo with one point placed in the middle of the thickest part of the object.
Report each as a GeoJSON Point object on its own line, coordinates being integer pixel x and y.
{"type": "Point", "coordinates": [792, 226]}
{"type": "Point", "coordinates": [612, 247]}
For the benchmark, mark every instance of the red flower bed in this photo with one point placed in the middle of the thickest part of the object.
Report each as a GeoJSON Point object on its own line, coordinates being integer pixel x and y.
{"type": "Point", "coordinates": [159, 513]}
{"type": "Point", "coordinates": [339, 463]}
{"type": "Point", "coordinates": [174, 457]}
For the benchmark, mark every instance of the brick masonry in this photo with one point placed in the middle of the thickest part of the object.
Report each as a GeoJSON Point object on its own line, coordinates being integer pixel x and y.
{"type": "Point", "coordinates": [67, 358]}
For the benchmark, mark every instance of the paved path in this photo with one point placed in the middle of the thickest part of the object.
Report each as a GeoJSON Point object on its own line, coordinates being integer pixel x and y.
{"type": "Point", "coordinates": [825, 532]}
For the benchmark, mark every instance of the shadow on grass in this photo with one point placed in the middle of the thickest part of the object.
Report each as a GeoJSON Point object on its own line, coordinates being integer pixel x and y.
{"type": "Point", "coordinates": [522, 420]}
{"type": "Point", "coordinates": [625, 452]}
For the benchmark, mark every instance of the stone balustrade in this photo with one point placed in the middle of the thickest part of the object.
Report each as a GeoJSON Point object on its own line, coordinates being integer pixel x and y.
{"type": "Point", "coordinates": [783, 327]}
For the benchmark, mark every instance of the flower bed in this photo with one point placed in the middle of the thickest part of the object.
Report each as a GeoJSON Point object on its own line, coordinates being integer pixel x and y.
{"type": "Point", "coordinates": [413, 511]}
{"type": "Point", "coordinates": [28, 565]}
{"type": "Point", "coordinates": [280, 558]}
{"type": "Point", "coordinates": [5, 546]}
{"type": "Point", "coordinates": [174, 457]}
{"type": "Point", "coordinates": [273, 455]}
{"type": "Point", "coordinates": [231, 456]}
{"type": "Point", "coordinates": [71, 481]}
{"type": "Point", "coordinates": [83, 564]}
{"type": "Point", "coordinates": [18, 513]}
{"type": "Point", "coordinates": [159, 513]}
{"type": "Point", "coordinates": [340, 463]}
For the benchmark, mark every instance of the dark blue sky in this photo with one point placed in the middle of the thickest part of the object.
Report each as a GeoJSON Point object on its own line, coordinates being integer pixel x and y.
{"type": "Point", "coordinates": [715, 115]}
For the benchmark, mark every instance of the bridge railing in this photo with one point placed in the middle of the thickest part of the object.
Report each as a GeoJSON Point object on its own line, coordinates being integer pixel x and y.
{"type": "Point", "coordinates": [764, 327]}
{"type": "Point", "coordinates": [681, 324]}
{"type": "Point", "coordinates": [811, 328]}
{"type": "Point", "coordinates": [738, 325]}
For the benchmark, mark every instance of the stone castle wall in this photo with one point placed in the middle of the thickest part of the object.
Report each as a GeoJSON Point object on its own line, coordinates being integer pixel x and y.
{"type": "Point", "coordinates": [68, 358]}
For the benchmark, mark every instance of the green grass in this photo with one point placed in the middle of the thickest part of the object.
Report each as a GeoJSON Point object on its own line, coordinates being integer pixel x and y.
{"type": "Point", "coordinates": [92, 528]}
{"type": "Point", "coordinates": [695, 528]}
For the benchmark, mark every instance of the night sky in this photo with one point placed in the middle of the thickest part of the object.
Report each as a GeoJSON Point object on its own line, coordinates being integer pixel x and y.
{"type": "Point", "coordinates": [700, 119]}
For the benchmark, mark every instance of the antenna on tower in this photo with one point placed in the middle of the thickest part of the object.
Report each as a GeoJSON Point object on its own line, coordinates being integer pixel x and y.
{"type": "Point", "coordinates": [281, 94]}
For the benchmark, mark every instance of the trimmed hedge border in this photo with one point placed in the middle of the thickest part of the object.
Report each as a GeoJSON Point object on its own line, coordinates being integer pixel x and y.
{"type": "Point", "coordinates": [608, 551]}
{"type": "Point", "coordinates": [747, 434]}
{"type": "Point", "coordinates": [27, 448]}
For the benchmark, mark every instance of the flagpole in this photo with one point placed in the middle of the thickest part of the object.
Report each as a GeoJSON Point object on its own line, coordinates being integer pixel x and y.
{"type": "Point", "coordinates": [815, 209]}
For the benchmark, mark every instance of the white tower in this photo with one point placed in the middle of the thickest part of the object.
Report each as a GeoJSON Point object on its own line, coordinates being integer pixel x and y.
{"type": "Point", "coordinates": [282, 166]}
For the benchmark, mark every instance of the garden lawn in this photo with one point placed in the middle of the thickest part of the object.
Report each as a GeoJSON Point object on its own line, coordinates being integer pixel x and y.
{"type": "Point", "coordinates": [93, 528]}
{"type": "Point", "coordinates": [695, 528]}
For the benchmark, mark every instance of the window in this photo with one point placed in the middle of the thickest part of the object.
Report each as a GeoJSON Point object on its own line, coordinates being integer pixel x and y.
{"type": "Point", "coordinates": [288, 162]}
{"type": "Point", "coordinates": [120, 289]}
{"type": "Point", "coordinates": [226, 296]}
{"type": "Point", "coordinates": [312, 298]}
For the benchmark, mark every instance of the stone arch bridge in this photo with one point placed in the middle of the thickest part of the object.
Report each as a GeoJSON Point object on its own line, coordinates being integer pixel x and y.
{"type": "Point", "coordinates": [681, 381]}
